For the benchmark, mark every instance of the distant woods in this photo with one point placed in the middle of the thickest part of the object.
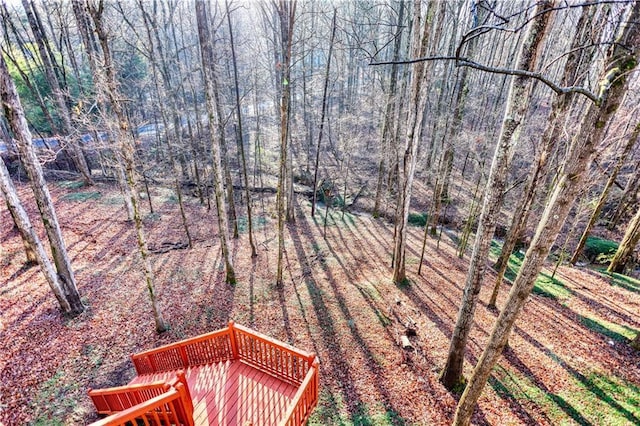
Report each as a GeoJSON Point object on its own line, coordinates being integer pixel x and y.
{"type": "Point", "coordinates": [516, 120]}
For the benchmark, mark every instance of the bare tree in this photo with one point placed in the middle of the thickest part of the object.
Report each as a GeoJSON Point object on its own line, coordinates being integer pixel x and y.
{"type": "Point", "coordinates": [322, 114]}
{"type": "Point", "coordinates": [206, 52]}
{"type": "Point", "coordinates": [64, 284]}
{"type": "Point", "coordinates": [621, 159]}
{"type": "Point", "coordinates": [390, 111]}
{"type": "Point", "coordinates": [517, 103]}
{"type": "Point", "coordinates": [420, 40]}
{"type": "Point", "coordinates": [61, 104]}
{"type": "Point", "coordinates": [286, 11]}
{"type": "Point", "coordinates": [621, 59]}
{"type": "Point", "coordinates": [110, 92]}
{"type": "Point", "coordinates": [243, 158]}
{"type": "Point", "coordinates": [577, 65]}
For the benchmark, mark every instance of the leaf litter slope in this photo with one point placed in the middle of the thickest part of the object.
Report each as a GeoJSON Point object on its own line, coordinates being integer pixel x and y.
{"type": "Point", "coordinates": [568, 360]}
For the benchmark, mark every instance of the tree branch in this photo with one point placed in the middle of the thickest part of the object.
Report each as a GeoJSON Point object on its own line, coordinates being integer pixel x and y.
{"type": "Point", "coordinates": [464, 62]}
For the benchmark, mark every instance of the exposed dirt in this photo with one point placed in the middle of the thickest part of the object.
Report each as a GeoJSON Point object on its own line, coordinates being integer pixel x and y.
{"type": "Point", "coordinates": [337, 301]}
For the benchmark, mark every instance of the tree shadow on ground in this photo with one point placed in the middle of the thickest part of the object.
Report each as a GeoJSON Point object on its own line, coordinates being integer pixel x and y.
{"type": "Point", "coordinates": [569, 409]}
{"type": "Point", "coordinates": [353, 400]}
{"type": "Point", "coordinates": [421, 365]}
{"type": "Point", "coordinates": [587, 382]}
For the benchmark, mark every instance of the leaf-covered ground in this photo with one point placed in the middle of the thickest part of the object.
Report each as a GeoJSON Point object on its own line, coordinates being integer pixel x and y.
{"type": "Point", "coordinates": [568, 359]}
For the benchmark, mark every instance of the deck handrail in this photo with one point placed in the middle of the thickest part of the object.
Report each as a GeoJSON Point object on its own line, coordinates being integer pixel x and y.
{"type": "Point", "coordinates": [121, 398]}
{"type": "Point", "coordinates": [112, 400]}
{"type": "Point", "coordinates": [205, 349]}
{"type": "Point", "coordinates": [233, 342]}
{"type": "Point", "coordinates": [305, 399]}
{"type": "Point", "coordinates": [271, 356]}
{"type": "Point", "coordinates": [168, 408]}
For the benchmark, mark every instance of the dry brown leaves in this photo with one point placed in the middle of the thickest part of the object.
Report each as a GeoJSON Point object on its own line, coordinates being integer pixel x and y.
{"type": "Point", "coordinates": [337, 301]}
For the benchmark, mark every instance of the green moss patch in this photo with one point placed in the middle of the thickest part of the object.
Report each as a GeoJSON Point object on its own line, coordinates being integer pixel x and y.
{"type": "Point", "coordinates": [599, 250]}
{"type": "Point", "coordinates": [545, 285]}
{"type": "Point", "coordinates": [418, 219]}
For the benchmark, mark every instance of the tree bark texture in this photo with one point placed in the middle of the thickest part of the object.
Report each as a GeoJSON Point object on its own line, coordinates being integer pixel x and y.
{"type": "Point", "coordinates": [516, 108]}
{"type": "Point", "coordinates": [626, 246]}
{"type": "Point", "coordinates": [206, 51]}
{"type": "Point", "coordinates": [577, 65]}
{"type": "Point", "coordinates": [416, 103]}
{"type": "Point", "coordinates": [18, 123]}
{"type": "Point", "coordinates": [627, 198]}
{"type": "Point", "coordinates": [286, 11]}
{"type": "Point", "coordinates": [127, 152]}
{"type": "Point", "coordinates": [605, 194]}
{"type": "Point", "coordinates": [621, 58]}
{"type": "Point", "coordinates": [29, 249]}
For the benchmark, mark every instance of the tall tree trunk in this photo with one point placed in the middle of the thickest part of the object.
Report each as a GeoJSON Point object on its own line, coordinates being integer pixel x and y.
{"type": "Point", "coordinates": [206, 51]}
{"type": "Point", "coordinates": [517, 103]}
{"type": "Point", "coordinates": [621, 159]}
{"type": "Point", "coordinates": [286, 11]}
{"type": "Point", "coordinates": [389, 114]}
{"type": "Point", "coordinates": [32, 241]}
{"type": "Point", "coordinates": [322, 114]}
{"type": "Point", "coordinates": [578, 63]}
{"type": "Point", "coordinates": [224, 153]}
{"type": "Point", "coordinates": [14, 114]}
{"type": "Point", "coordinates": [77, 155]}
{"type": "Point", "coordinates": [621, 59]}
{"type": "Point", "coordinates": [441, 190]}
{"type": "Point", "coordinates": [419, 43]}
{"type": "Point", "coordinates": [127, 151]}
{"type": "Point", "coordinates": [626, 246]}
{"type": "Point", "coordinates": [243, 158]}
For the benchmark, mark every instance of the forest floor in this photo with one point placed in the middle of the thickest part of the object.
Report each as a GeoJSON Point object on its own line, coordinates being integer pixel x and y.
{"type": "Point", "coordinates": [568, 359]}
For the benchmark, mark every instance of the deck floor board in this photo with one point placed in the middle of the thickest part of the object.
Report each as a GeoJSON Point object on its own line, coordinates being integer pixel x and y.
{"type": "Point", "coordinates": [233, 393]}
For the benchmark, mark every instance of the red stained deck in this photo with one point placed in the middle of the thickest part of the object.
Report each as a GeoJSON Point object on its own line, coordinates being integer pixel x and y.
{"type": "Point", "coordinates": [232, 393]}
{"type": "Point", "coordinates": [234, 376]}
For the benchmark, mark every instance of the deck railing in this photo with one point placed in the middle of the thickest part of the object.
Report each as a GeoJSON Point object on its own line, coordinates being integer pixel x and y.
{"type": "Point", "coordinates": [113, 400]}
{"type": "Point", "coordinates": [235, 342]}
{"type": "Point", "coordinates": [169, 408]}
{"type": "Point", "coordinates": [304, 400]}
{"type": "Point", "coordinates": [206, 349]}
{"type": "Point", "coordinates": [274, 358]}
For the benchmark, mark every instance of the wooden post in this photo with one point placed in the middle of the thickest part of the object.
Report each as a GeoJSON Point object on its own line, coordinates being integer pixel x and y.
{"type": "Point", "coordinates": [232, 338]}
{"type": "Point", "coordinates": [183, 356]}
{"type": "Point", "coordinates": [181, 379]}
{"type": "Point", "coordinates": [152, 362]}
{"type": "Point", "coordinates": [135, 365]}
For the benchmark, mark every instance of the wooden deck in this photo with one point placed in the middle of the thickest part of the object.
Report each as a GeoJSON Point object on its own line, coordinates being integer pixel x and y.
{"type": "Point", "coordinates": [234, 376]}
{"type": "Point", "coordinates": [232, 393]}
